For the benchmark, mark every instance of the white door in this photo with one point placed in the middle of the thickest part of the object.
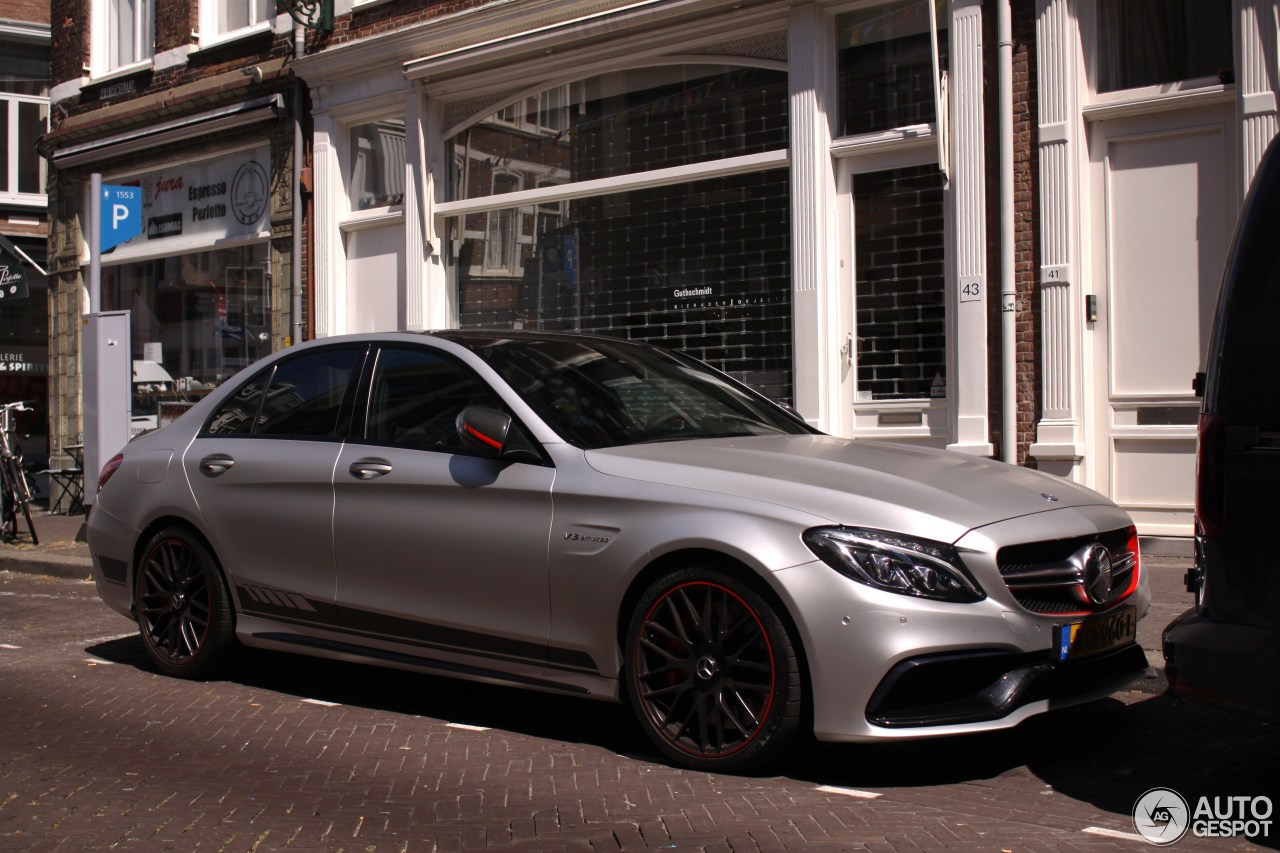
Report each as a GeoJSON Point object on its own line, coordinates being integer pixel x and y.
{"type": "Point", "coordinates": [375, 279]}
{"type": "Point", "coordinates": [1164, 207]}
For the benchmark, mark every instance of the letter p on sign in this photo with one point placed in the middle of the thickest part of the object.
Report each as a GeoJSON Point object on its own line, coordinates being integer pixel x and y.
{"type": "Point", "coordinates": [123, 221]}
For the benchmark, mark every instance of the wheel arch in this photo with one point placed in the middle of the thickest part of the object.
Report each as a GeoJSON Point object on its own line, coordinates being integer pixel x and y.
{"type": "Point", "coordinates": [731, 566]}
{"type": "Point", "coordinates": [151, 529]}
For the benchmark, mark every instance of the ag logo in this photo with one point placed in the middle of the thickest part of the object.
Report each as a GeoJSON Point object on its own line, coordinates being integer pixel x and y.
{"type": "Point", "coordinates": [1161, 816]}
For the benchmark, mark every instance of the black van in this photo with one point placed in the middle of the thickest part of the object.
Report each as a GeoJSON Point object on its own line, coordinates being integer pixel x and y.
{"type": "Point", "coordinates": [1226, 649]}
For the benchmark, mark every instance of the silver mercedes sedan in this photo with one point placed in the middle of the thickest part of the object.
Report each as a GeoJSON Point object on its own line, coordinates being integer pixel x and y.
{"type": "Point", "coordinates": [615, 521]}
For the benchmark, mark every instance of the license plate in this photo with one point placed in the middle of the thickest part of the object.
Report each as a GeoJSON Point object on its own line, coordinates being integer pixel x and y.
{"type": "Point", "coordinates": [1091, 636]}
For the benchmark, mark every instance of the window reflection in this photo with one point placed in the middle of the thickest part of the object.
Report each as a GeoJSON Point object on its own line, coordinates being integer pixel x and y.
{"type": "Point", "coordinates": [703, 265]}
{"type": "Point", "coordinates": [886, 65]}
{"type": "Point", "coordinates": [376, 178]}
{"type": "Point", "coordinates": [195, 320]}
{"type": "Point", "coordinates": [901, 336]}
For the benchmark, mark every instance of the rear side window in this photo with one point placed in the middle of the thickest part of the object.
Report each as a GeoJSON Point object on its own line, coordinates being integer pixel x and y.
{"type": "Point", "coordinates": [301, 396]}
{"type": "Point", "coordinates": [415, 398]}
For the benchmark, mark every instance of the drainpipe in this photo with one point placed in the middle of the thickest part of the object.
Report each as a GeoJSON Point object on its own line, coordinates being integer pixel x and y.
{"type": "Point", "coordinates": [297, 328]}
{"type": "Point", "coordinates": [1008, 285]}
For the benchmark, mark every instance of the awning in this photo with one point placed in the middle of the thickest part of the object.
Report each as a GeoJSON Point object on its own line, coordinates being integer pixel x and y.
{"type": "Point", "coordinates": [13, 249]}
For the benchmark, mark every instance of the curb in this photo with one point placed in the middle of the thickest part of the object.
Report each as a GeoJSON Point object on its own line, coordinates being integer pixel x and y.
{"type": "Point", "coordinates": [54, 565]}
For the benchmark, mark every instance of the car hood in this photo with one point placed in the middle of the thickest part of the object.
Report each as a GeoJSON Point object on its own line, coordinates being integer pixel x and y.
{"type": "Point", "coordinates": [932, 493]}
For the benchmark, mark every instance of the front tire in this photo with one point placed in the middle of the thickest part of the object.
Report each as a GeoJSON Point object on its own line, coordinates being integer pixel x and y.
{"type": "Point", "coordinates": [712, 672]}
{"type": "Point", "coordinates": [182, 605]}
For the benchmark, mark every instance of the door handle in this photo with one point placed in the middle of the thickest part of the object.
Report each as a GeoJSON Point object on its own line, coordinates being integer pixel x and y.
{"type": "Point", "coordinates": [215, 464]}
{"type": "Point", "coordinates": [368, 469]}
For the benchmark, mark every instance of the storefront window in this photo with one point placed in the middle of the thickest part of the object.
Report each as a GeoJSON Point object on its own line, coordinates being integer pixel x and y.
{"type": "Point", "coordinates": [376, 176]}
{"type": "Point", "coordinates": [624, 123]}
{"type": "Point", "coordinates": [196, 318]}
{"type": "Point", "coordinates": [24, 351]}
{"type": "Point", "coordinates": [886, 65]}
{"type": "Point", "coordinates": [1148, 42]}
{"type": "Point", "coordinates": [901, 318]}
{"type": "Point", "coordinates": [703, 265]}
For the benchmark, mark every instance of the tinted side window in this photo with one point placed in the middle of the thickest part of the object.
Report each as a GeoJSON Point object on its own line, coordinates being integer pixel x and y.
{"type": "Point", "coordinates": [237, 415]}
{"type": "Point", "coordinates": [415, 398]}
{"type": "Point", "coordinates": [298, 397]}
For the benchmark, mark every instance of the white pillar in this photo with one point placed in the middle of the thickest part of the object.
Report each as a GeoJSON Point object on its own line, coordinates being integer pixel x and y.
{"type": "Point", "coordinates": [328, 263]}
{"type": "Point", "coordinates": [819, 325]}
{"type": "Point", "coordinates": [1256, 82]}
{"type": "Point", "coordinates": [968, 387]}
{"type": "Point", "coordinates": [1059, 445]}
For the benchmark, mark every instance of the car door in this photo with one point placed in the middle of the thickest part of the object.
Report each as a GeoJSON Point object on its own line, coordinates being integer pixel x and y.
{"type": "Point", "coordinates": [262, 474]}
{"type": "Point", "coordinates": [437, 548]}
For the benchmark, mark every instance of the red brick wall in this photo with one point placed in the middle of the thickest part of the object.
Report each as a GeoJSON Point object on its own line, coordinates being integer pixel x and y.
{"type": "Point", "coordinates": [31, 11]}
{"type": "Point", "coordinates": [1026, 195]}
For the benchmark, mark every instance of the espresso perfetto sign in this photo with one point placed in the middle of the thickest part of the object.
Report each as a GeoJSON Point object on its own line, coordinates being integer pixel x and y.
{"type": "Point", "coordinates": [223, 197]}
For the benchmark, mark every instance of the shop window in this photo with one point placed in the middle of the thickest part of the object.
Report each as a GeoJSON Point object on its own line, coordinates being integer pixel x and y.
{"type": "Point", "coordinates": [24, 117]}
{"type": "Point", "coordinates": [196, 319]}
{"type": "Point", "coordinates": [1149, 42]}
{"type": "Point", "coordinates": [377, 164]}
{"type": "Point", "coordinates": [900, 269]}
{"type": "Point", "coordinates": [702, 265]}
{"type": "Point", "coordinates": [124, 33]}
{"type": "Point", "coordinates": [886, 78]}
{"type": "Point", "coordinates": [222, 17]}
{"type": "Point", "coordinates": [626, 123]}
{"type": "Point", "coordinates": [416, 397]}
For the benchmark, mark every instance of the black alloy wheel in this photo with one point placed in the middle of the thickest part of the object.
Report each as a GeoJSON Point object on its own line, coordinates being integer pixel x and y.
{"type": "Point", "coordinates": [713, 674]}
{"type": "Point", "coordinates": [183, 609]}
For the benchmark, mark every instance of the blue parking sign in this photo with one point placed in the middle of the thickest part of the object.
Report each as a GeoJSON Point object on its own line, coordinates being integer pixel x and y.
{"type": "Point", "coordinates": [121, 218]}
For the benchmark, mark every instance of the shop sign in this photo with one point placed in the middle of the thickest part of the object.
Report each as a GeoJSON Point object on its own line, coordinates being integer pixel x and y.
{"type": "Point", "coordinates": [22, 360]}
{"type": "Point", "coordinates": [218, 198]}
{"type": "Point", "coordinates": [169, 225]}
{"type": "Point", "coordinates": [13, 283]}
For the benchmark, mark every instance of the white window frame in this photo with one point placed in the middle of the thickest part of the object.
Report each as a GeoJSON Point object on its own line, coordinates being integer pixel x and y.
{"type": "Point", "coordinates": [10, 101]}
{"type": "Point", "coordinates": [104, 39]}
{"type": "Point", "coordinates": [508, 264]}
{"type": "Point", "coordinates": [351, 215]}
{"type": "Point", "coordinates": [917, 419]}
{"type": "Point", "coordinates": [210, 29]}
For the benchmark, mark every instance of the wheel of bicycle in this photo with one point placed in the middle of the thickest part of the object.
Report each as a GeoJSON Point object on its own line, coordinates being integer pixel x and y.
{"type": "Point", "coordinates": [8, 505]}
{"type": "Point", "coordinates": [24, 500]}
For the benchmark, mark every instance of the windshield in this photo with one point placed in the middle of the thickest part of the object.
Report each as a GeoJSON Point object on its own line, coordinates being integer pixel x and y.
{"type": "Point", "coordinates": [596, 394]}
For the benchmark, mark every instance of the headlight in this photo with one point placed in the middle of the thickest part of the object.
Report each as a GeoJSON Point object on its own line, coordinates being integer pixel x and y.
{"type": "Point", "coordinates": [895, 563]}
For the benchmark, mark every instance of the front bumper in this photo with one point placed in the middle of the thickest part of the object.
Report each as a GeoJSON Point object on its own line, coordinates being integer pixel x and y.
{"type": "Point", "coordinates": [888, 666]}
{"type": "Point", "coordinates": [1223, 663]}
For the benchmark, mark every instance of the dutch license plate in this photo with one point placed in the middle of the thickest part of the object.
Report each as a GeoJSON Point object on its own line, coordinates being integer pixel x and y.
{"type": "Point", "coordinates": [1091, 636]}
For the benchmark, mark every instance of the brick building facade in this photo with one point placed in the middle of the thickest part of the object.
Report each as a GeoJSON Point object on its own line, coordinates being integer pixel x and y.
{"type": "Point", "coordinates": [911, 220]}
{"type": "Point", "coordinates": [24, 221]}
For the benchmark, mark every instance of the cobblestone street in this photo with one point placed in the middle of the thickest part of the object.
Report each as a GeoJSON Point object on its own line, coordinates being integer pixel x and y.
{"type": "Point", "coordinates": [98, 752]}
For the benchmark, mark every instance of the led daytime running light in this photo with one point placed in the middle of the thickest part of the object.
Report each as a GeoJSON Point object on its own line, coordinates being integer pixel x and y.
{"type": "Point", "coordinates": [895, 563]}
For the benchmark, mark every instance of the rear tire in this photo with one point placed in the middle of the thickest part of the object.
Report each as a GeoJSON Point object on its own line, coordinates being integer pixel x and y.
{"type": "Point", "coordinates": [182, 605]}
{"type": "Point", "coordinates": [712, 673]}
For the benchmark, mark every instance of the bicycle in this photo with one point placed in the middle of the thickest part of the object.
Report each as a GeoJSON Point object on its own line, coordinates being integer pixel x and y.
{"type": "Point", "coordinates": [15, 491]}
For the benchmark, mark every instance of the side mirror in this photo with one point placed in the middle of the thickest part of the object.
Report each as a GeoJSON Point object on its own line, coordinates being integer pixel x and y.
{"type": "Point", "coordinates": [491, 433]}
